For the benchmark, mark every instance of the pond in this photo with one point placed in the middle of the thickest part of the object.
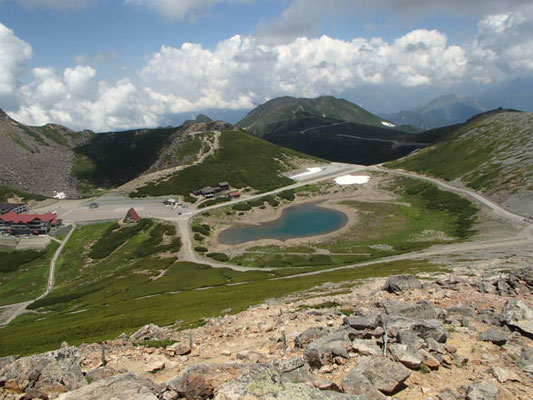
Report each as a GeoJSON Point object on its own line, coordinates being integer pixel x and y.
{"type": "Point", "coordinates": [308, 219]}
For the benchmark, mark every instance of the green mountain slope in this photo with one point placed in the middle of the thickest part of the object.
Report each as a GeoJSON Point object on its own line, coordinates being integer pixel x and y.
{"type": "Point", "coordinates": [492, 153]}
{"type": "Point", "coordinates": [263, 118]}
{"type": "Point", "coordinates": [243, 160]}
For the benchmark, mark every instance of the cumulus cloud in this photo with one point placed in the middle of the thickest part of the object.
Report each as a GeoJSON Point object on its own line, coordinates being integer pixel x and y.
{"type": "Point", "coordinates": [14, 53]}
{"type": "Point", "coordinates": [304, 17]}
{"type": "Point", "coordinates": [243, 71]}
{"type": "Point", "coordinates": [180, 9]}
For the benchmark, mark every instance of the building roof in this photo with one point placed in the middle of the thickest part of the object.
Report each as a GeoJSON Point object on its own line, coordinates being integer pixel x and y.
{"type": "Point", "coordinates": [223, 183]}
{"type": "Point", "coordinates": [133, 214]}
{"type": "Point", "coordinates": [15, 218]}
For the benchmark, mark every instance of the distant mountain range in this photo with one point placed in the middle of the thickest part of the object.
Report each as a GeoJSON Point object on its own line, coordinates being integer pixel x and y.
{"type": "Point", "coordinates": [442, 111]}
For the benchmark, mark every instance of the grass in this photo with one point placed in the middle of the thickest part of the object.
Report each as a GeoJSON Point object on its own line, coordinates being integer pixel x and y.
{"type": "Point", "coordinates": [8, 192]}
{"type": "Point", "coordinates": [383, 229]}
{"type": "Point", "coordinates": [117, 307]}
{"type": "Point", "coordinates": [23, 274]}
{"type": "Point", "coordinates": [243, 160]}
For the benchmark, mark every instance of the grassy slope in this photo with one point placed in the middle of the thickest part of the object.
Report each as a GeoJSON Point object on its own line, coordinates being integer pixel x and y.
{"type": "Point", "coordinates": [111, 159]}
{"type": "Point", "coordinates": [261, 118]}
{"type": "Point", "coordinates": [7, 193]}
{"type": "Point", "coordinates": [242, 160]}
{"type": "Point", "coordinates": [23, 274]}
{"type": "Point", "coordinates": [491, 153]}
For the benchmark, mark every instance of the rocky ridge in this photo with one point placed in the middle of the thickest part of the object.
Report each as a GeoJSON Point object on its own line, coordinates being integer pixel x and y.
{"type": "Point", "coordinates": [466, 335]}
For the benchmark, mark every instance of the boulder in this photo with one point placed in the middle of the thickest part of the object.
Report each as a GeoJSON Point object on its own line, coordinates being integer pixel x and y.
{"type": "Point", "coordinates": [385, 375]}
{"type": "Point", "coordinates": [366, 347]}
{"type": "Point", "coordinates": [518, 315]}
{"type": "Point", "coordinates": [462, 309]}
{"type": "Point", "coordinates": [483, 391]}
{"type": "Point", "coordinates": [411, 339]}
{"type": "Point", "coordinates": [149, 332]}
{"type": "Point", "coordinates": [45, 374]}
{"type": "Point", "coordinates": [524, 275]}
{"type": "Point", "coordinates": [450, 394]}
{"type": "Point", "coordinates": [310, 335]}
{"type": "Point", "coordinates": [264, 382]}
{"type": "Point", "coordinates": [423, 309]}
{"type": "Point", "coordinates": [295, 370]}
{"type": "Point", "coordinates": [200, 381]}
{"type": "Point", "coordinates": [124, 386]}
{"type": "Point", "coordinates": [322, 351]}
{"type": "Point", "coordinates": [404, 354]}
{"type": "Point", "coordinates": [503, 374]}
{"type": "Point", "coordinates": [362, 322]}
{"type": "Point", "coordinates": [526, 360]}
{"type": "Point", "coordinates": [355, 383]}
{"type": "Point", "coordinates": [178, 349]}
{"type": "Point", "coordinates": [496, 336]}
{"type": "Point", "coordinates": [401, 283]}
{"type": "Point", "coordinates": [431, 328]}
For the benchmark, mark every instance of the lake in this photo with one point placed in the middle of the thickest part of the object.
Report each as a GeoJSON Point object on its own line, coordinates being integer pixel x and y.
{"type": "Point", "coordinates": [308, 219]}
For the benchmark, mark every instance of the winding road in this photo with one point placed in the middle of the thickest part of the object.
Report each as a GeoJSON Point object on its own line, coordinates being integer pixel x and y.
{"type": "Point", "coordinates": [182, 222]}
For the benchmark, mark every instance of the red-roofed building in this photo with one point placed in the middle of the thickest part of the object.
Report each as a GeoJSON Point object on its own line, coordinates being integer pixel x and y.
{"type": "Point", "coordinates": [26, 224]}
{"type": "Point", "coordinates": [132, 217]}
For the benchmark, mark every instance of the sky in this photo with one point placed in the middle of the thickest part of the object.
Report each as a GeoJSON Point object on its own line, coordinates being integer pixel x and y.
{"type": "Point", "coordinates": [120, 64]}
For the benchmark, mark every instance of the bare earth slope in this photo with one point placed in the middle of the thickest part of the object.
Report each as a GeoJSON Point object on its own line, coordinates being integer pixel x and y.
{"type": "Point", "coordinates": [37, 159]}
{"type": "Point", "coordinates": [492, 154]}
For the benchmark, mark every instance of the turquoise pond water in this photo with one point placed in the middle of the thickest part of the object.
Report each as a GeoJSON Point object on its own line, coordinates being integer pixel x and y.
{"type": "Point", "coordinates": [299, 221]}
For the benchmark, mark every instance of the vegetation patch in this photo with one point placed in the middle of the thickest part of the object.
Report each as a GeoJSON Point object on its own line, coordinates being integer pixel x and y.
{"type": "Point", "coordinates": [115, 236]}
{"type": "Point", "coordinates": [243, 160]}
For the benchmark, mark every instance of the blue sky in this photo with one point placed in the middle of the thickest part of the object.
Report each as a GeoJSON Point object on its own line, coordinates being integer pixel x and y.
{"type": "Point", "coordinates": [117, 64]}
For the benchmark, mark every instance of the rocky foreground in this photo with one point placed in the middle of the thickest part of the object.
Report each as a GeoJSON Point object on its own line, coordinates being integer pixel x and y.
{"type": "Point", "coordinates": [446, 337]}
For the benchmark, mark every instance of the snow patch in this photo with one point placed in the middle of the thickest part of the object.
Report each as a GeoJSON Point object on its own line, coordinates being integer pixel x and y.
{"type": "Point", "coordinates": [60, 195]}
{"type": "Point", "coordinates": [310, 171]}
{"type": "Point", "coordinates": [352, 180]}
{"type": "Point", "coordinates": [389, 124]}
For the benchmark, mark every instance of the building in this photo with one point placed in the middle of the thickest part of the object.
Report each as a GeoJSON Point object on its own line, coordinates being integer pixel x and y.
{"type": "Point", "coordinates": [171, 202]}
{"type": "Point", "coordinates": [18, 208]}
{"type": "Point", "coordinates": [234, 195]}
{"type": "Point", "coordinates": [132, 217]}
{"type": "Point", "coordinates": [28, 224]}
{"type": "Point", "coordinates": [208, 192]}
{"type": "Point", "coordinates": [223, 185]}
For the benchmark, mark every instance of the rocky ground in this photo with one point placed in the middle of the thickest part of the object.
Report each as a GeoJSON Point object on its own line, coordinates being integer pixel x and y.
{"type": "Point", "coordinates": [466, 335]}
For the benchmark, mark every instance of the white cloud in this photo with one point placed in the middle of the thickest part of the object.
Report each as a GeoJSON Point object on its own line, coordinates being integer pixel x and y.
{"type": "Point", "coordinates": [180, 9]}
{"type": "Point", "coordinates": [14, 53]}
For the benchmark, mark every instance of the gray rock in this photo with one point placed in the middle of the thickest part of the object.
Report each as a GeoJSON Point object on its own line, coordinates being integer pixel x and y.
{"type": "Point", "coordinates": [524, 275]}
{"type": "Point", "coordinates": [125, 386]}
{"type": "Point", "coordinates": [402, 353]}
{"type": "Point", "coordinates": [431, 328]}
{"type": "Point", "coordinates": [295, 370]}
{"type": "Point", "coordinates": [496, 336]}
{"type": "Point", "coordinates": [518, 315]}
{"type": "Point", "coordinates": [362, 322]}
{"type": "Point", "coordinates": [310, 335]}
{"type": "Point", "coordinates": [526, 360]}
{"type": "Point", "coordinates": [461, 309]}
{"type": "Point", "coordinates": [504, 374]}
{"type": "Point", "coordinates": [45, 374]}
{"type": "Point", "coordinates": [400, 283]}
{"type": "Point", "coordinates": [149, 332]}
{"type": "Point", "coordinates": [410, 339]}
{"type": "Point", "coordinates": [366, 347]}
{"type": "Point", "coordinates": [385, 375]}
{"type": "Point", "coordinates": [450, 394]}
{"type": "Point", "coordinates": [483, 391]}
{"type": "Point", "coordinates": [199, 381]}
{"type": "Point", "coordinates": [322, 351]}
{"type": "Point", "coordinates": [262, 382]}
{"type": "Point", "coordinates": [355, 383]}
{"type": "Point", "coordinates": [420, 310]}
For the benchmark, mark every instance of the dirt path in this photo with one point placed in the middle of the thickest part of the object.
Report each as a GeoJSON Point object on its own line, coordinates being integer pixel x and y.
{"type": "Point", "coordinates": [12, 311]}
{"type": "Point", "coordinates": [166, 173]}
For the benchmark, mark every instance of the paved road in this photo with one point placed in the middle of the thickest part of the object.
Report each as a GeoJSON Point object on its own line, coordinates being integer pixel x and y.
{"type": "Point", "coordinates": [395, 143]}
